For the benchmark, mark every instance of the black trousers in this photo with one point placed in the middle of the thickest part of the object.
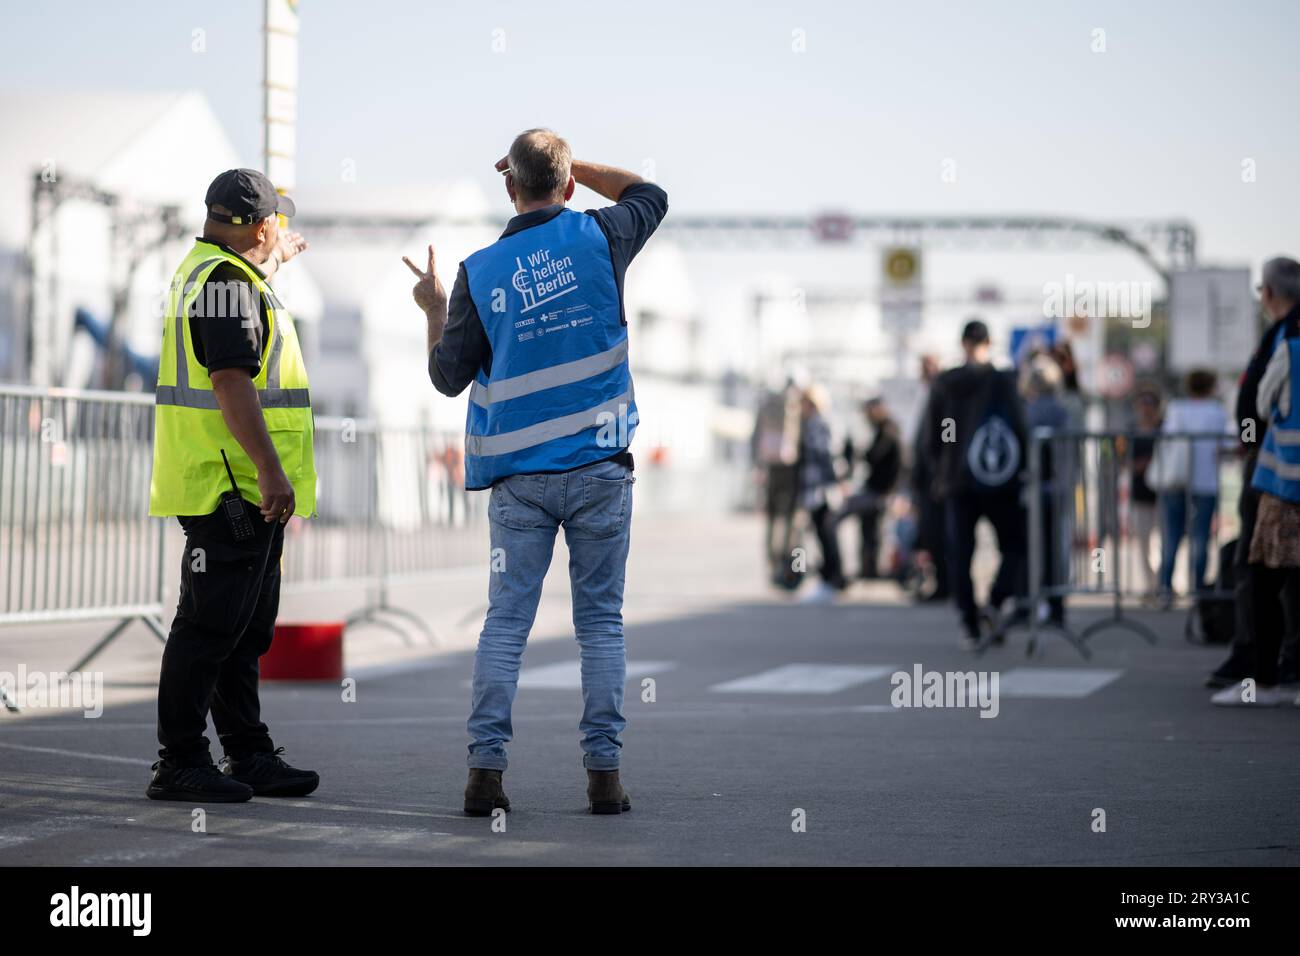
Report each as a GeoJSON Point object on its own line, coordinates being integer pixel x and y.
{"type": "Point", "coordinates": [825, 523]}
{"type": "Point", "coordinates": [934, 539]}
{"type": "Point", "coordinates": [229, 598]}
{"type": "Point", "coordinates": [1007, 515]}
{"type": "Point", "coordinates": [1053, 572]}
{"type": "Point", "coordinates": [779, 505]}
{"type": "Point", "coordinates": [1267, 600]}
{"type": "Point", "coordinates": [869, 548]}
{"type": "Point", "coordinates": [1243, 640]}
{"type": "Point", "coordinates": [1267, 588]}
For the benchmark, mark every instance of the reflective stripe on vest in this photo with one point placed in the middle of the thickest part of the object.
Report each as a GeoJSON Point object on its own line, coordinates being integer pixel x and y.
{"type": "Point", "coordinates": [272, 396]}
{"type": "Point", "coordinates": [1287, 470]}
{"type": "Point", "coordinates": [565, 374]}
{"type": "Point", "coordinates": [548, 430]}
{"type": "Point", "coordinates": [559, 394]}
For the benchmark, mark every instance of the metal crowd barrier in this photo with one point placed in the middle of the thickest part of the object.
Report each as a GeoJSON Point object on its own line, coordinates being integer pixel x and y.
{"type": "Point", "coordinates": [1081, 525]}
{"type": "Point", "coordinates": [77, 543]}
{"type": "Point", "coordinates": [391, 507]}
{"type": "Point", "coordinates": [76, 539]}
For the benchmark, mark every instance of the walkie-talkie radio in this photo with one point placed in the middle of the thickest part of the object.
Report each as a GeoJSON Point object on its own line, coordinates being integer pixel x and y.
{"type": "Point", "coordinates": [241, 529]}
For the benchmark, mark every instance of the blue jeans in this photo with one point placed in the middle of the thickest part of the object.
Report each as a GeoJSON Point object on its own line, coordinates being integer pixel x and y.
{"type": "Point", "coordinates": [1173, 505]}
{"type": "Point", "coordinates": [594, 506]}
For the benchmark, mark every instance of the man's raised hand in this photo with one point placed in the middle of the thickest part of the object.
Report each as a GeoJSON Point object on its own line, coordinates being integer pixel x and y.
{"type": "Point", "coordinates": [428, 292]}
{"type": "Point", "coordinates": [290, 244]}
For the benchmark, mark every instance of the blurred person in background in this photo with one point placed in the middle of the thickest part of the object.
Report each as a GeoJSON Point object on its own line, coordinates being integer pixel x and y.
{"type": "Point", "coordinates": [1071, 394]}
{"type": "Point", "coordinates": [1194, 504]}
{"type": "Point", "coordinates": [930, 535]}
{"type": "Point", "coordinates": [1267, 551]}
{"type": "Point", "coordinates": [1279, 293]}
{"type": "Point", "coordinates": [1041, 384]}
{"type": "Point", "coordinates": [975, 433]}
{"type": "Point", "coordinates": [819, 489]}
{"type": "Point", "coordinates": [884, 461]}
{"type": "Point", "coordinates": [775, 449]}
{"type": "Point", "coordinates": [1143, 513]}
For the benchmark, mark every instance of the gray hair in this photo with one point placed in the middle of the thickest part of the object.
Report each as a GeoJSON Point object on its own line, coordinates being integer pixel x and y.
{"type": "Point", "coordinates": [1282, 276]}
{"type": "Point", "coordinates": [540, 161]}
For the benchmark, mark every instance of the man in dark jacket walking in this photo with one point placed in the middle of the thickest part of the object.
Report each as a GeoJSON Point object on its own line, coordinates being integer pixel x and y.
{"type": "Point", "coordinates": [976, 436]}
{"type": "Point", "coordinates": [931, 534]}
{"type": "Point", "coordinates": [884, 460]}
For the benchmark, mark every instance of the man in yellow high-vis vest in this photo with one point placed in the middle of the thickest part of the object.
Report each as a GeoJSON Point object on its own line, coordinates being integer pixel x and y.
{"type": "Point", "coordinates": [232, 418]}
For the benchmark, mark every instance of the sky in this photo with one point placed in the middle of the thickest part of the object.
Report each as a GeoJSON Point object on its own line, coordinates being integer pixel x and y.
{"type": "Point", "coordinates": [1107, 111]}
{"type": "Point", "coordinates": [733, 110]}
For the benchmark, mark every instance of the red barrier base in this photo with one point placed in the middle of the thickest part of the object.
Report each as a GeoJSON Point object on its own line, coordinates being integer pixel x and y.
{"type": "Point", "coordinates": [305, 652]}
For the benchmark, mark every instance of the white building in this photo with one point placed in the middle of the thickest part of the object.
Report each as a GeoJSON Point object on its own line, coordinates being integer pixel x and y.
{"type": "Point", "coordinates": [146, 150]}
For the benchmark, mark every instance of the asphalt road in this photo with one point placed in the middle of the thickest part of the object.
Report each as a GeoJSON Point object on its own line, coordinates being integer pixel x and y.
{"type": "Point", "coordinates": [764, 714]}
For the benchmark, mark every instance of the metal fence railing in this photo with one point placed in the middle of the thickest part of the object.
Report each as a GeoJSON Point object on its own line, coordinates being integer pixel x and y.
{"type": "Point", "coordinates": [76, 539]}
{"type": "Point", "coordinates": [391, 507]}
{"type": "Point", "coordinates": [1089, 537]}
{"type": "Point", "coordinates": [77, 542]}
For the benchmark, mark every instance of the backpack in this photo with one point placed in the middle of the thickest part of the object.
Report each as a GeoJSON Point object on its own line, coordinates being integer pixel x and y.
{"type": "Point", "coordinates": [1216, 612]}
{"type": "Point", "coordinates": [994, 455]}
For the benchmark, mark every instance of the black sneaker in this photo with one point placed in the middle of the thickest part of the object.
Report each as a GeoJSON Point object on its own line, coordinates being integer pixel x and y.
{"type": "Point", "coordinates": [270, 776]}
{"type": "Point", "coordinates": [201, 784]}
{"type": "Point", "coordinates": [993, 625]}
{"type": "Point", "coordinates": [1233, 671]}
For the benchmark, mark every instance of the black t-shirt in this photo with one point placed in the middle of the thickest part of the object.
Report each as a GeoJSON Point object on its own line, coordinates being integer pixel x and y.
{"type": "Point", "coordinates": [229, 321]}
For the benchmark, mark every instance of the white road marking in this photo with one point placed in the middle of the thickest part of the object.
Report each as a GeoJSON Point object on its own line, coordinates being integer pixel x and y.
{"type": "Point", "coordinates": [803, 679]}
{"type": "Point", "coordinates": [567, 675]}
{"type": "Point", "coordinates": [136, 761]}
{"type": "Point", "coordinates": [1054, 681]}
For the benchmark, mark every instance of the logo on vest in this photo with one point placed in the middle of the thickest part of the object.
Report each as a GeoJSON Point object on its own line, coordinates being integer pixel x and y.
{"type": "Point", "coordinates": [543, 279]}
{"type": "Point", "coordinates": [994, 453]}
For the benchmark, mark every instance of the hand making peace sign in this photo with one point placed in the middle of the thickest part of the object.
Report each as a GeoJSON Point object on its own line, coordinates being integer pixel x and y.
{"type": "Point", "coordinates": [428, 292]}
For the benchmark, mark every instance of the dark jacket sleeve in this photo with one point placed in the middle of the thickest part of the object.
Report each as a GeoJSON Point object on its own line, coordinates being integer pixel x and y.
{"type": "Point", "coordinates": [632, 220]}
{"type": "Point", "coordinates": [885, 459]}
{"type": "Point", "coordinates": [1016, 403]}
{"type": "Point", "coordinates": [1249, 385]}
{"type": "Point", "coordinates": [933, 425]}
{"type": "Point", "coordinates": [464, 348]}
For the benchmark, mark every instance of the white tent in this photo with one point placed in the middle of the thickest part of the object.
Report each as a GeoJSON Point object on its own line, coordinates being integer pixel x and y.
{"type": "Point", "coordinates": [146, 149]}
{"type": "Point", "coordinates": [372, 359]}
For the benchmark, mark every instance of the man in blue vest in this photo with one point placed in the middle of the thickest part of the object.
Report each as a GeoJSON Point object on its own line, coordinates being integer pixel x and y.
{"type": "Point", "coordinates": [535, 327]}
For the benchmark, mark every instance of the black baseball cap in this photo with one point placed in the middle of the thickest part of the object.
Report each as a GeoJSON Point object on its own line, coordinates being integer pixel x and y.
{"type": "Point", "coordinates": [975, 332]}
{"type": "Point", "coordinates": [248, 195]}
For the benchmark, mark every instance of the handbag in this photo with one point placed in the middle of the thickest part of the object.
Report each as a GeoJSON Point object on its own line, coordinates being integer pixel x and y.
{"type": "Point", "coordinates": [1171, 464]}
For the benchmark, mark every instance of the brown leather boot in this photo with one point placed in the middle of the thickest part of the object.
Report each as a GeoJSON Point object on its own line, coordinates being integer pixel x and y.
{"type": "Point", "coordinates": [605, 794]}
{"type": "Point", "coordinates": [483, 793]}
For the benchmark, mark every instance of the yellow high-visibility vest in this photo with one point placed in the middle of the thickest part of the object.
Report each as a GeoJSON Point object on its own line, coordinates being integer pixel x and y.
{"type": "Point", "coordinates": [189, 432]}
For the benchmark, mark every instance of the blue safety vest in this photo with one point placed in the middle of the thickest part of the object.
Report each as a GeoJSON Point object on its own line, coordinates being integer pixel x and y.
{"type": "Point", "coordinates": [559, 395]}
{"type": "Point", "coordinates": [1277, 469]}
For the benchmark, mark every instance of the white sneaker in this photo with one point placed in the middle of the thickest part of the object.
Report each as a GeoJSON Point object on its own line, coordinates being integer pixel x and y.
{"type": "Point", "coordinates": [1235, 696]}
{"type": "Point", "coordinates": [823, 593]}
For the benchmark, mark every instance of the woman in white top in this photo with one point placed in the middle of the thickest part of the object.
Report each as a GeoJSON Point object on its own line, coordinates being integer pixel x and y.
{"type": "Point", "coordinates": [1202, 413]}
